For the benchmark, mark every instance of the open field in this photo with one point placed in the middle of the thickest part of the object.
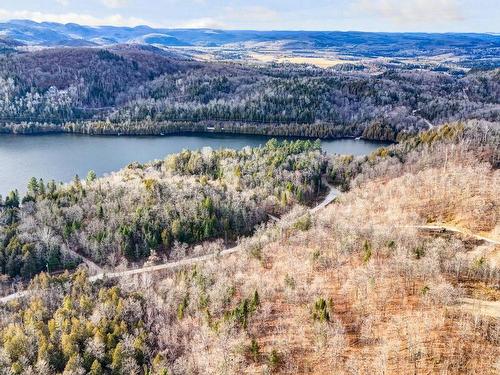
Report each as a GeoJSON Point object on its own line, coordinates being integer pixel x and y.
{"type": "Point", "coordinates": [319, 61]}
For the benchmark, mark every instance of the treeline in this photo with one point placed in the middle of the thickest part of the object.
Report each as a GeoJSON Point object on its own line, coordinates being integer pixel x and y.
{"type": "Point", "coordinates": [376, 131]}
{"type": "Point", "coordinates": [139, 90]}
{"type": "Point", "coordinates": [154, 208]}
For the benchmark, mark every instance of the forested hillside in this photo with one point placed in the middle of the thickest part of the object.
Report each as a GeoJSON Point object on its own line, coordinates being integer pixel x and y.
{"type": "Point", "coordinates": [156, 209]}
{"type": "Point", "coordinates": [55, 85]}
{"type": "Point", "coordinates": [145, 90]}
{"type": "Point", "coordinates": [359, 288]}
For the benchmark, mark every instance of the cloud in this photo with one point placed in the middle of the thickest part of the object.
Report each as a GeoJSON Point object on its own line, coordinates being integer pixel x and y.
{"type": "Point", "coordinates": [414, 12]}
{"type": "Point", "coordinates": [64, 3]}
{"type": "Point", "coordinates": [232, 17]}
{"type": "Point", "coordinates": [202, 23]}
{"type": "Point", "coordinates": [114, 4]}
{"type": "Point", "coordinates": [83, 19]}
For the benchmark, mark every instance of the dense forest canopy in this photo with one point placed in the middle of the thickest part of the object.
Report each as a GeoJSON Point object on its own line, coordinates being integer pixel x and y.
{"type": "Point", "coordinates": [144, 90]}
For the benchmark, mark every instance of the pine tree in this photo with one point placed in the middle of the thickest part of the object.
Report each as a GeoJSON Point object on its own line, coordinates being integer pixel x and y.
{"type": "Point", "coordinates": [77, 183]}
{"type": "Point", "coordinates": [41, 187]}
{"type": "Point", "coordinates": [33, 187]}
{"type": "Point", "coordinates": [91, 176]}
{"type": "Point", "coordinates": [12, 199]}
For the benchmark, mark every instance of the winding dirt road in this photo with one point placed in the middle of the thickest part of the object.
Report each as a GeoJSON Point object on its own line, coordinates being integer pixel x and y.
{"type": "Point", "coordinates": [329, 198]}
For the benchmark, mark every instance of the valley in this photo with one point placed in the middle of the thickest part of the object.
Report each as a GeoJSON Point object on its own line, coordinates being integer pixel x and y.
{"type": "Point", "coordinates": [376, 86]}
{"type": "Point", "coordinates": [212, 201]}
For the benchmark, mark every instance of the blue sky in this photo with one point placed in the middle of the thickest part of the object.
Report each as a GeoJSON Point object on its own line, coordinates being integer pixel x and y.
{"type": "Point", "coordinates": [365, 15]}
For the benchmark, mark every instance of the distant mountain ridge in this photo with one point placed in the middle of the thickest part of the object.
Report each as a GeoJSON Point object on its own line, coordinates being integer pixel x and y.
{"type": "Point", "coordinates": [357, 43]}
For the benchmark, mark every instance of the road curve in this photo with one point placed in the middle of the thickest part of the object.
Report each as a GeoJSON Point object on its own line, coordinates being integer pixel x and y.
{"type": "Point", "coordinates": [333, 193]}
{"type": "Point", "coordinates": [329, 198]}
{"type": "Point", "coordinates": [93, 267]}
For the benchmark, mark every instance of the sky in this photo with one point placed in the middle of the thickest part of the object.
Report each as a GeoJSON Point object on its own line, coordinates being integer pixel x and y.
{"type": "Point", "coordinates": [362, 15]}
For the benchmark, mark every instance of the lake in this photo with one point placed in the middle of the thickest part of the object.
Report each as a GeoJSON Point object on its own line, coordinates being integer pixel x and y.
{"type": "Point", "coordinates": [61, 156]}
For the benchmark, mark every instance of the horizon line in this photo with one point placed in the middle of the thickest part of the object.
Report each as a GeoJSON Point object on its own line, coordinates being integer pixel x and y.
{"type": "Point", "coordinates": [495, 33]}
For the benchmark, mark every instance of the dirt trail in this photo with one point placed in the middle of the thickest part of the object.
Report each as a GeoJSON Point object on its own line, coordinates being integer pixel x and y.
{"type": "Point", "coordinates": [329, 198]}
{"type": "Point", "coordinates": [480, 307]}
{"type": "Point", "coordinates": [450, 228]}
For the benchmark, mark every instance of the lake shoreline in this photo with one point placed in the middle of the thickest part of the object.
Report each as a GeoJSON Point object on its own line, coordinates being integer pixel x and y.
{"type": "Point", "coordinates": [60, 156]}
{"type": "Point", "coordinates": [193, 133]}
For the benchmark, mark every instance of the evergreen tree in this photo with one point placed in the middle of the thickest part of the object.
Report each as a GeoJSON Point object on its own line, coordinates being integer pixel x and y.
{"type": "Point", "coordinates": [91, 176]}
{"type": "Point", "coordinates": [33, 187]}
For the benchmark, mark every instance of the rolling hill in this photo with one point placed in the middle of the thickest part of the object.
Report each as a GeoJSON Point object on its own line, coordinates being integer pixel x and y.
{"type": "Point", "coordinates": [352, 42]}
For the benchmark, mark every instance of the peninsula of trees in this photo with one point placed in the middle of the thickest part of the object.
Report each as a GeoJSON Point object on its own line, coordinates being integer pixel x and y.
{"type": "Point", "coordinates": [155, 209]}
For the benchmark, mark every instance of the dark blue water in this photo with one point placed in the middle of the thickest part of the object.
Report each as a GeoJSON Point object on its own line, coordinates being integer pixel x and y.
{"type": "Point", "coordinates": [61, 156]}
